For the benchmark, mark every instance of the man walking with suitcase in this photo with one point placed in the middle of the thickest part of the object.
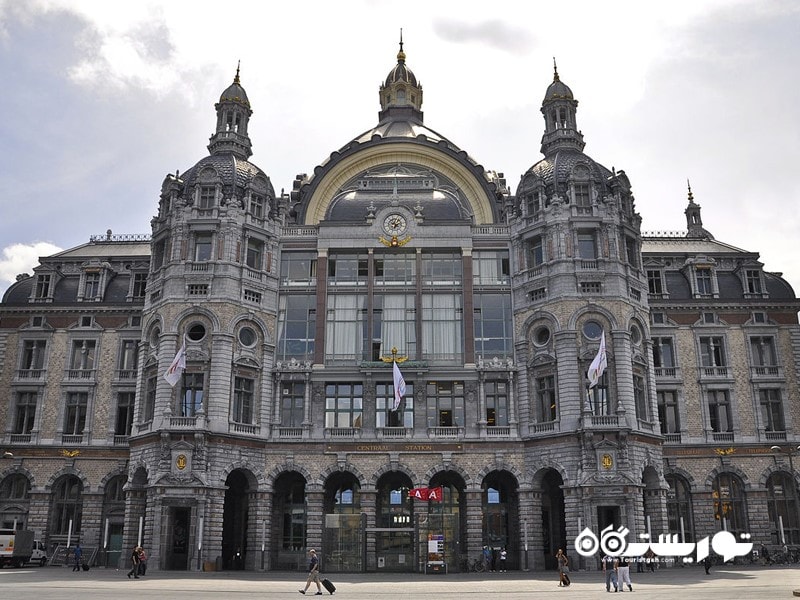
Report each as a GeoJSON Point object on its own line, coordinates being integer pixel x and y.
{"type": "Point", "coordinates": [313, 572]}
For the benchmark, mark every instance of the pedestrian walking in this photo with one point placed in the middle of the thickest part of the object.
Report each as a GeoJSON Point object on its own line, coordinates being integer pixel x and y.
{"type": "Point", "coordinates": [610, 572]}
{"type": "Point", "coordinates": [503, 558]}
{"type": "Point", "coordinates": [134, 572]}
{"type": "Point", "coordinates": [313, 573]}
{"type": "Point", "coordinates": [563, 568]}
{"type": "Point", "coordinates": [624, 574]}
{"type": "Point", "coordinates": [77, 554]}
{"type": "Point", "coordinates": [487, 558]}
{"type": "Point", "coordinates": [142, 561]}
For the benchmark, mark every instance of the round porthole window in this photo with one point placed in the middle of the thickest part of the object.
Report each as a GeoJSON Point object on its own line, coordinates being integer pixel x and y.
{"type": "Point", "coordinates": [154, 337]}
{"type": "Point", "coordinates": [196, 332]}
{"type": "Point", "coordinates": [592, 330]}
{"type": "Point", "coordinates": [247, 336]}
{"type": "Point", "coordinates": [636, 335]}
{"type": "Point", "coordinates": [541, 336]}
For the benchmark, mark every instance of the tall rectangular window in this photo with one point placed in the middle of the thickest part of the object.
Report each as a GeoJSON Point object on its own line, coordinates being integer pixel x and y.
{"type": "Point", "coordinates": [663, 353]}
{"type": "Point", "coordinates": [445, 404]}
{"type": "Point", "coordinates": [83, 355]}
{"type": "Point", "coordinates": [207, 197]}
{"type": "Point", "coordinates": [490, 268]}
{"type": "Point", "coordinates": [33, 352]}
{"type": "Point", "coordinates": [148, 410]}
{"type": "Point", "coordinates": [493, 325]}
{"type": "Point", "coordinates": [535, 252]}
{"type": "Point", "coordinates": [293, 395]}
{"type": "Point", "coordinates": [25, 415]}
{"type": "Point", "coordinates": [345, 327]}
{"type": "Point", "coordinates": [546, 399]}
{"type": "Point", "coordinates": [124, 421]}
{"type": "Point", "coordinates": [442, 327]}
{"type": "Point", "coordinates": [297, 321]}
{"type": "Point", "coordinates": [587, 249]}
{"type": "Point", "coordinates": [655, 282]}
{"type": "Point", "coordinates": [343, 405]}
{"type": "Point", "coordinates": [139, 285]}
{"type": "Point", "coordinates": [631, 251]}
{"type": "Point", "coordinates": [668, 413]}
{"type": "Point", "coordinates": [496, 393]}
{"type": "Point", "coordinates": [255, 253]}
{"type": "Point", "coordinates": [712, 352]}
{"type": "Point", "coordinates": [385, 415]}
{"type": "Point", "coordinates": [243, 400]}
{"type": "Point", "coordinates": [719, 411]}
{"type": "Point", "coordinates": [75, 413]}
{"type": "Point", "coordinates": [703, 279]}
{"type": "Point", "coordinates": [762, 351]}
{"type": "Point", "coordinates": [393, 325]}
{"type": "Point", "coordinates": [128, 358]}
{"type": "Point", "coordinates": [640, 398]}
{"type": "Point", "coordinates": [91, 288]}
{"type": "Point", "coordinates": [192, 396]}
{"type": "Point", "coordinates": [771, 409]}
{"type": "Point", "coordinates": [202, 247]}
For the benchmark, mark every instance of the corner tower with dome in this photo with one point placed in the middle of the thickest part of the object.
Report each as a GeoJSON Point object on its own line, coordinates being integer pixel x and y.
{"type": "Point", "coordinates": [578, 280]}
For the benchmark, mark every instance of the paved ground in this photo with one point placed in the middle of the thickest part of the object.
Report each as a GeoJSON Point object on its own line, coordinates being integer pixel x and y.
{"type": "Point", "coordinates": [724, 583]}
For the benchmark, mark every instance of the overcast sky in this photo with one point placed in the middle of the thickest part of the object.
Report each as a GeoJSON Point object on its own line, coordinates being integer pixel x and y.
{"type": "Point", "coordinates": [102, 99]}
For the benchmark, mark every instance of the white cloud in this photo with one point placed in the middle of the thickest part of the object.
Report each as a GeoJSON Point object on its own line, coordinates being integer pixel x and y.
{"type": "Point", "coordinates": [21, 258]}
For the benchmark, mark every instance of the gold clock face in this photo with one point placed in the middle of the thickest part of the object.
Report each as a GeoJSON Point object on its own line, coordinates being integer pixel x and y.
{"type": "Point", "coordinates": [394, 224]}
{"type": "Point", "coordinates": [180, 462]}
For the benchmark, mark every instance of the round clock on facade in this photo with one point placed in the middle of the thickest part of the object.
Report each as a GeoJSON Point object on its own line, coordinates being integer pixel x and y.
{"type": "Point", "coordinates": [394, 224]}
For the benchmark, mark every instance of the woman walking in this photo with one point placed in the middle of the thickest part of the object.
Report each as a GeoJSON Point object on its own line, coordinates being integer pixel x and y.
{"type": "Point", "coordinates": [563, 568]}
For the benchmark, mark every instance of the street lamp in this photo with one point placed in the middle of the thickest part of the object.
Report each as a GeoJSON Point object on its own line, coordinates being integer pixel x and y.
{"type": "Point", "coordinates": [790, 452]}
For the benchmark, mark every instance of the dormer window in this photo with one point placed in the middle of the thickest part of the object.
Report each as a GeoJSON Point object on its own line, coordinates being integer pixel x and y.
{"type": "Point", "coordinates": [43, 286]}
{"type": "Point", "coordinates": [753, 281]}
{"type": "Point", "coordinates": [703, 281]}
{"type": "Point", "coordinates": [401, 96]}
{"type": "Point", "coordinates": [581, 194]}
{"type": "Point", "coordinates": [257, 206]}
{"type": "Point", "coordinates": [91, 287]}
{"type": "Point", "coordinates": [207, 197]}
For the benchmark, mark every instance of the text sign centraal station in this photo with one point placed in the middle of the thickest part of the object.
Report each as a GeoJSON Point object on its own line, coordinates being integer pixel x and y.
{"type": "Point", "coordinates": [406, 447]}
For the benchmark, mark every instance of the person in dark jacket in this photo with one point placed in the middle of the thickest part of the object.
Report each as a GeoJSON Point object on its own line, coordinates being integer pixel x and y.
{"type": "Point", "coordinates": [313, 572]}
{"type": "Point", "coordinates": [78, 555]}
{"type": "Point", "coordinates": [134, 572]}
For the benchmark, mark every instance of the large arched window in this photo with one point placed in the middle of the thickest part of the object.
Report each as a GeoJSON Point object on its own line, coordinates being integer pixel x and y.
{"type": "Point", "coordinates": [782, 507]}
{"type": "Point", "coordinates": [730, 504]}
{"type": "Point", "coordinates": [679, 508]}
{"type": "Point", "coordinates": [66, 507]}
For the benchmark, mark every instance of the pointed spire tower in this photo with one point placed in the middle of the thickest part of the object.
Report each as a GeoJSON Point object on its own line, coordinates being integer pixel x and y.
{"type": "Point", "coordinates": [233, 114]}
{"type": "Point", "coordinates": [559, 108]}
{"type": "Point", "coordinates": [694, 222]}
{"type": "Point", "coordinates": [400, 94]}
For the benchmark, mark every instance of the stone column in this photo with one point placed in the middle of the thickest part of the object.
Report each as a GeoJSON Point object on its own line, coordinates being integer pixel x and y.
{"type": "Point", "coordinates": [474, 542]}
{"type": "Point", "coordinates": [369, 497]}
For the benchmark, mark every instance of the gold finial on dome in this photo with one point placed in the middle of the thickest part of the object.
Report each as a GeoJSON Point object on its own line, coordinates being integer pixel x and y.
{"type": "Point", "coordinates": [555, 70]}
{"type": "Point", "coordinates": [401, 56]}
{"type": "Point", "coordinates": [236, 79]}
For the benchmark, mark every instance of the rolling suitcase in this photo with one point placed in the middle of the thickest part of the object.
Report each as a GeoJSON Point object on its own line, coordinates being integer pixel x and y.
{"type": "Point", "coordinates": [328, 584]}
{"type": "Point", "coordinates": [85, 567]}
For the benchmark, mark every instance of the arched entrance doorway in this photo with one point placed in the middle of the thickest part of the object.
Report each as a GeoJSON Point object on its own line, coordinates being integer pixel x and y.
{"type": "Point", "coordinates": [394, 524]}
{"type": "Point", "coordinates": [499, 505]}
{"type": "Point", "coordinates": [342, 539]}
{"type": "Point", "coordinates": [554, 526]}
{"type": "Point", "coordinates": [234, 521]}
{"type": "Point", "coordinates": [288, 528]}
{"type": "Point", "coordinates": [443, 524]}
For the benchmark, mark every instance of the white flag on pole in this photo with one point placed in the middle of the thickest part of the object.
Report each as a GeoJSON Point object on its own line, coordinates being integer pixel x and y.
{"type": "Point", "coordinates": [599, 363]}
{"type": "Point", "coordinates": [399, 385]}
{"type": "Point", "coordinates": [173, 374]}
